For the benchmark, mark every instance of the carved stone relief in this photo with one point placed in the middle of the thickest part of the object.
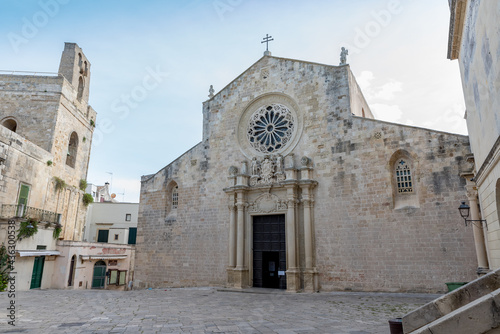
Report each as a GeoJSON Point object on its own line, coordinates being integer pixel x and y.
{"type": "Point", "coordinates": [267, 203]}
{"type": "Point", "coordinates": [267, 171]}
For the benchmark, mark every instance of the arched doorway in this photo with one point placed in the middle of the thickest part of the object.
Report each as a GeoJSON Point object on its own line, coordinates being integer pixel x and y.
{"type": "Point", "coordinates": [72, 271]}
{"type": "Point", "coordinates": [99, 276]}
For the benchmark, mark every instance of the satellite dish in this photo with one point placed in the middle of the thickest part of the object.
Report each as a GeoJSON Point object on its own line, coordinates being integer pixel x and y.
{"type": "Point", "coordinates": [113, 195]}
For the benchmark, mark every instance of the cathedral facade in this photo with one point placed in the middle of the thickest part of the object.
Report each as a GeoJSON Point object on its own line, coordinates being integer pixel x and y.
{"type": "Point", "coordinates": [296, 186]}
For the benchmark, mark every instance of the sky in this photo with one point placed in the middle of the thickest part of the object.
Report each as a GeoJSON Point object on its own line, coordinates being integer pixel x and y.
{"type": "Point", "coordinates": [397, 52]}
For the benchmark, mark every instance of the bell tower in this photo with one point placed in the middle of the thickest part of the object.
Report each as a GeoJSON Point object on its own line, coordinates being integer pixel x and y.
{"type": "Point", "coordinates": [75, 67]}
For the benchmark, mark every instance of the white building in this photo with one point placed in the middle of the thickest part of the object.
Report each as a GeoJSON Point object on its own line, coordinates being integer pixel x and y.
{"type": "Point", "coordinates": [114, 223]}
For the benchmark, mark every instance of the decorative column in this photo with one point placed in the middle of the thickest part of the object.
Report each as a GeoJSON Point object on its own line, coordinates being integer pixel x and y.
{"type": "Point", "coordinates": [240, 205]}
{"type": "Point", "coordinates": [477, 228]}
{"type": "Point", "coordinates": [241, 271]}
{"type": "Point", "coordinates": [311, 283]}
{"type": "Point", "coordinates": [232, 236]}
{"type": "Point", "coordinates": [232, 240]}
{"type": "Point", "coordinates": [292, 273]}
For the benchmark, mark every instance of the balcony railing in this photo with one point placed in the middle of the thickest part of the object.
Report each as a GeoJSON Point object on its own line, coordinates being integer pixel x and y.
{"type": "Point", "coordinates": [9, 211]}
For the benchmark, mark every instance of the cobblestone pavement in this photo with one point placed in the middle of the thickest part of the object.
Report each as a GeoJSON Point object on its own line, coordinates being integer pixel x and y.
{"type": "Point", "coordinates": [204, 310]}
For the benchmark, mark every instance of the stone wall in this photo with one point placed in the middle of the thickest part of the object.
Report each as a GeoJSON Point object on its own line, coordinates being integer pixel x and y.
{"type": "Point", "coordinates": [361, 242]}
{"type": "Point", "coordinates": [47, 112]}
{"type": "Point", "coordinates": [480, 71]}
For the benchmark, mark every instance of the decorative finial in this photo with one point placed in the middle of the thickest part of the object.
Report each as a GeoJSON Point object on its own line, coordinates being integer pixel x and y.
{"type": "Point", "coordinates": [266, 40]}
{"type": "Point", "coordinates": [343, 56]}
{"type": "Point", "coordinates": [211, 91]}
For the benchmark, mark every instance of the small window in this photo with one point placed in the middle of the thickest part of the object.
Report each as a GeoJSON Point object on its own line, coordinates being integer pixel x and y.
{"type": "Point", "coordinates": [10, 124]}
{"type": "Point", "coordinates": [404, 182]}
{"type": "Point", "coordinates": [128, 217]}
{"type": "Point", "coordinates": [175, 197]}
{"type": "Point", "coordinates": [72, 150]}
{"type": "Point", "coordinates": [41, 247]}
{"type": "Point", "coordinates": [116, 236]}
{"type": "Point", "coordinates": [81, 86]}
{"type": "Point", "coordinates": [117, 277]}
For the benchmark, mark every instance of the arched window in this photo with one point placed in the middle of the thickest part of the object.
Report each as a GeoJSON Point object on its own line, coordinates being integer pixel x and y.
{"type": "Point", "coordinates": [81, 86]}
{"type": "Point", "coordinates": [404, 182]}
{"type": "Point", "coordinates": [72, 271]}
{"type": "Point", "coordinates": [72, 150]}
{"type": "Point", "coordinates": [175, 197]}
{"type": "Point", "coordinates": [85, 69]}
{"type": "Point", "coordinates": [10, 124]}
{"type": "Point", "coordinates": [403, 175]}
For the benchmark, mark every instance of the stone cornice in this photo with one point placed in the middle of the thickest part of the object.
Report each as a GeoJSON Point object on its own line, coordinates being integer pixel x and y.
{"type": "Point", "coordinates": [457, 21]}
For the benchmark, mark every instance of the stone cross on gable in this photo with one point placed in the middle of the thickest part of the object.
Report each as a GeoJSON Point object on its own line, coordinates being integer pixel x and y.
{"type": "Point", "coordinates": [266, 40]}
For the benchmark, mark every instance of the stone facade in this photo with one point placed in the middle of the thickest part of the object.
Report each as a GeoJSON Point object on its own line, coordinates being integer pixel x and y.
{"type": "Point", "coordinates": [330, 169]}
{"type": "Point", "coordinates": [475, 42]}
{"type": "Point", "coordinates": [45, 139]}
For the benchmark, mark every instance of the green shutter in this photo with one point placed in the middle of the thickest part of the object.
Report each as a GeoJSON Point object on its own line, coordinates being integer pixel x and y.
{"type": "Point", "coordinates": [132, 234]}
{"type": "Point", "coordinates": [23, 196]}
{"type": "Point", "coordinates": [102, 236]}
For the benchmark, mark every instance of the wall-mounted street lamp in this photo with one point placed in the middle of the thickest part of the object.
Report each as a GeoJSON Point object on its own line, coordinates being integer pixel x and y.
{"type": "Point", "coordinates": [464, 212]}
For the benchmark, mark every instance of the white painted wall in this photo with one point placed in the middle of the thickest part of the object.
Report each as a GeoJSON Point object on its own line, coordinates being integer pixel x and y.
{"type": "Point", "coordinates": [112, 217]}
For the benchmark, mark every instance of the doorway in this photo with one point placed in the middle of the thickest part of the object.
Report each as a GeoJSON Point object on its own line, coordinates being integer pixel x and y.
{"type": "Point", "coordinates": [269, 252]}
{"type": "Point", "coordinates": [36, 276]}
{"type": "Point", "coordinates": [99, 276]}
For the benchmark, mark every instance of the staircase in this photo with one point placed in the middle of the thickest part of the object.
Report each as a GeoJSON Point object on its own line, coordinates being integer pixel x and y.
{"type": "Point", "coordinates": [471, 309]}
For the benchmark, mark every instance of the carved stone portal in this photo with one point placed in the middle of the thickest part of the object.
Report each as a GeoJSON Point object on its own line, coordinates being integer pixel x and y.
{"type": "Point", "coordinates": [267, 171]}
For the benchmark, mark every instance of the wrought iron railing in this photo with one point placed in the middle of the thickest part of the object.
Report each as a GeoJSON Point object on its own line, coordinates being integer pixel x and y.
{"type": "Point", "coordinates": [21, 211]}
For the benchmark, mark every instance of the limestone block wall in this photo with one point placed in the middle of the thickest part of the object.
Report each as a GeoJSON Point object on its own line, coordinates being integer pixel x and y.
{"type": "Point", "coordinates": [362, 241]}
{"type": "Point", "coordinates": [35, 121]}
{"type": "Point", "coordinates": [17, 151]}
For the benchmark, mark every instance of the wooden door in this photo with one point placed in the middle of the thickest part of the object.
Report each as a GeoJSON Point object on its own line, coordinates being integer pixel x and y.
{"type": "Point", "coordinates": [36, 276]}
{"type": "Point", "coordinates": [99, 276]}
{"type": "Point", "coordinates": [269, 251]}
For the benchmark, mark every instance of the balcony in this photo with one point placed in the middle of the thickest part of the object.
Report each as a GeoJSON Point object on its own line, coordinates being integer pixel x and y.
{"type": "Point", "coordinates": [9, 211]}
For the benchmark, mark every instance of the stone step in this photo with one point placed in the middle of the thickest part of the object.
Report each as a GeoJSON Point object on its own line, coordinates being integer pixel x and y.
{"type": "Point", "coordinates": [451, 302]}
{"type": "Point", "coordinates": [477, 317]}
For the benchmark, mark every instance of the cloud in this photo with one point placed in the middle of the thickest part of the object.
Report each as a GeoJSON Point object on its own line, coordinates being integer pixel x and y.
{"type": "Point", "coordinates": [365, 80]}
{"type": "Point", "coordinates": [385, 112]}
{"type": "Point", "coordinates": [451, 120]}
{"type": "Point", "coordinates": [381, 91]}
{"type": "Point", "coordinates": [388, 90]}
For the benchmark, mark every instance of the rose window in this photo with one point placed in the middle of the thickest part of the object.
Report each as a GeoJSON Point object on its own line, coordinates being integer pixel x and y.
{"type": "Point", "coordinates": [270, 128]}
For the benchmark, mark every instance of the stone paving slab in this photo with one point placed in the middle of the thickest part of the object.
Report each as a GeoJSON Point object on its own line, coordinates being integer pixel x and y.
{"type": "Point", "coordinates": [205, 310]}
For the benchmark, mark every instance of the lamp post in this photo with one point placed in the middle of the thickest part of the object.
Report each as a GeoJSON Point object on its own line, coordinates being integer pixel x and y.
{"type": "Point", "coordinates": [464, 210]}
